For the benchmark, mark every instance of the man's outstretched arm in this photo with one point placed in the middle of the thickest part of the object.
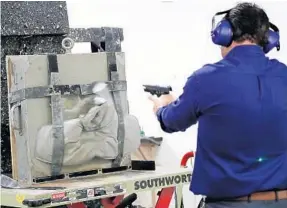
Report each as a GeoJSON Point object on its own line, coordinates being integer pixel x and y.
{"type": "Point", "coordinates": [183, 112]}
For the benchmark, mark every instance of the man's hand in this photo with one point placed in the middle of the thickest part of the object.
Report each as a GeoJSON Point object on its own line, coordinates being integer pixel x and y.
{"type": "Point", "coordinates": [162, 101]}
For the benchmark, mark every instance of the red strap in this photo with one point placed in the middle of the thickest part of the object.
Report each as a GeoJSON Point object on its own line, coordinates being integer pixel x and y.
{"type": "Point", "coordinates": [77, 205]}
{"type": "Point", "coordinates": [106, 202]}
{"type": "Point", "coordinates": [111, 202]}
{"type": "Point", "coordinates": [165, 197]}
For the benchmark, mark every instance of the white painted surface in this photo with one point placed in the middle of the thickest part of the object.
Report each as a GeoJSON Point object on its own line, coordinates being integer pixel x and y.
{"type": "Point", "coordinates": [164, 43]}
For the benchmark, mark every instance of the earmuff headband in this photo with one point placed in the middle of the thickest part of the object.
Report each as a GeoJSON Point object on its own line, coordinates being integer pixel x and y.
{"type": "Point", "coordinates": [217, 14]}
{"type": "Point", "coordinates": [274, 27]}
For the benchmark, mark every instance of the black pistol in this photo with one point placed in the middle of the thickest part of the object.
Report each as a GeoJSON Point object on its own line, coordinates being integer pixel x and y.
{"type": "Point", "coordinates": [157, 90]}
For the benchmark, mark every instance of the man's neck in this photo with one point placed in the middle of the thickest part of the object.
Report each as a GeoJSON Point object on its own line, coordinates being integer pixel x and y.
{"type": "Point", "coordinates": [235, 44]}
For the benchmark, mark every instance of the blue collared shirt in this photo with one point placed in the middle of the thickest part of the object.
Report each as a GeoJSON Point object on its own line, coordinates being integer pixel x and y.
{"type": "Point", "coordinates": [240, 104]}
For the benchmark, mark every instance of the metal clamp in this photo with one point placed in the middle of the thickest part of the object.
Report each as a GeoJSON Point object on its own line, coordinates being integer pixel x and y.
{"type": "Point", "coordinates": [12, 110]}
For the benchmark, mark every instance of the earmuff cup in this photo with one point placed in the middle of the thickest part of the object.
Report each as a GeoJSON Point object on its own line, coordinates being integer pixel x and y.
{"type": "Point", "coordinates": [273, 41]}
{"type": "Point", "coordinates": [222, 34]}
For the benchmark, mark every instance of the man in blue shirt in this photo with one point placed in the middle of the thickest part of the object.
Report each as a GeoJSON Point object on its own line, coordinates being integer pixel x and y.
{"type": "Point", "coordinates": [240, 104]}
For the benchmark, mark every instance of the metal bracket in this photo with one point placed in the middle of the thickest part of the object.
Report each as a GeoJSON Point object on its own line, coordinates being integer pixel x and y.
{"type": "Point", "coordinates": [12, 111]}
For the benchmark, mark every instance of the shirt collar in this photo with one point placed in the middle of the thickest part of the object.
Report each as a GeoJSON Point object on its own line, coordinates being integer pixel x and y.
{"type": "Point", "coordinates": [245, 50]}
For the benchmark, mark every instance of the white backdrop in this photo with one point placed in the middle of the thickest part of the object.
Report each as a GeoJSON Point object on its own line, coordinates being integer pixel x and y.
{"type": "Point", "coordinates": [164, 43]}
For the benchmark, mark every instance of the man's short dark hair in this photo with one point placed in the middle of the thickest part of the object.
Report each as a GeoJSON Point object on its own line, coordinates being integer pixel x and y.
{"type": "Point", "coordinates": [249, 22]}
